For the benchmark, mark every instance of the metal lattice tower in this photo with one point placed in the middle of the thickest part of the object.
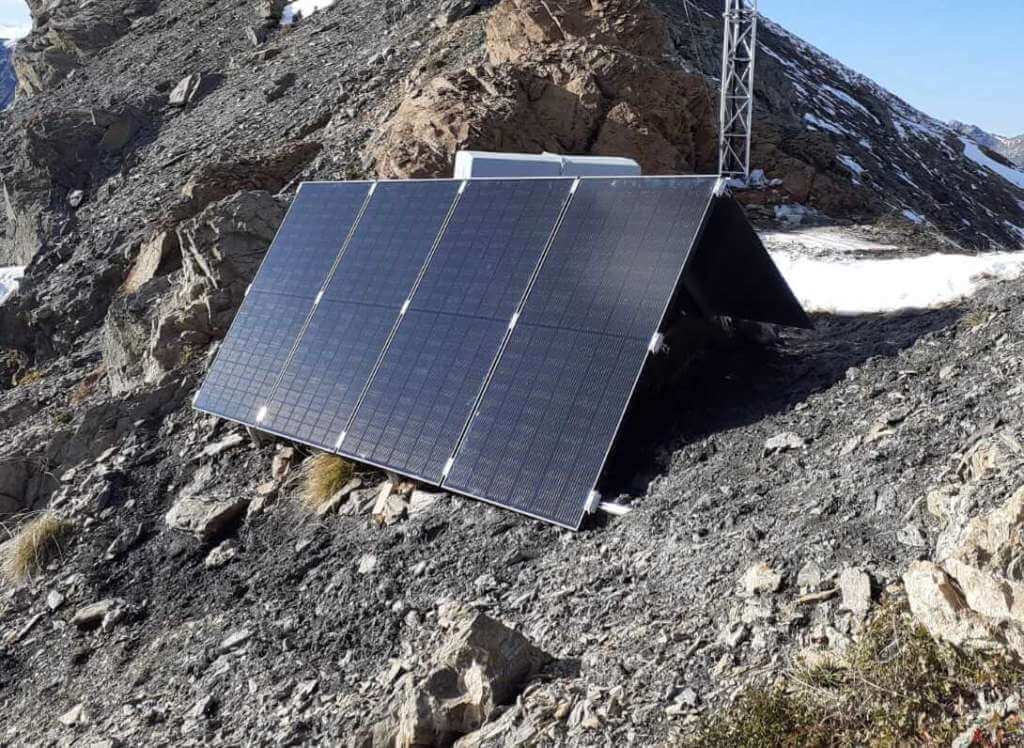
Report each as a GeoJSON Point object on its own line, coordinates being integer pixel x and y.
{"type": "Point", "coordinates": [737, 107]}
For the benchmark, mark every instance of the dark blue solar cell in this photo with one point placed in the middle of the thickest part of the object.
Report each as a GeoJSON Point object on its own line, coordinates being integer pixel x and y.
{"type": "Point", "coordinates": [329, 369]}
{"type": "Point", "coordinates": [250, 358]}
{"type": "Point", "coordinates": [618, 254]}
{"type": "Point", "coordinates": [491, 247]}
{"type": "Point", "coordinates": [393, 239]}
{"type": "Point", "coordinates": [539, 437]}
{"type": "Point", "coordinates": [332, 363]}
{"type": "Point", "coordinates": [413, 413]}
{"type": "Point", "coordinates": [307, 245]}
{"type": "Point", "coordinates": [421, 397]}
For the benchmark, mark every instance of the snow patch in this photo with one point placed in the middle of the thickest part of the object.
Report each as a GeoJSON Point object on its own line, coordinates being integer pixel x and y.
{"type": "Point", "coordinates": [846, 98]}
{"type": "Point", "coordinates": [9, 280]}
{"type": "Point", "coordinates": [851, 163]}
{"type": "Point", "coordinates": [978, 156]}
{"type": "Point", "coordinates": [913, 217]}
{"type": "Point", "coordinates": [814, 121]}
{"type": "Point", "coordinates": [843, 285]}
{"type": "Point", "coordinates": [303, 9]}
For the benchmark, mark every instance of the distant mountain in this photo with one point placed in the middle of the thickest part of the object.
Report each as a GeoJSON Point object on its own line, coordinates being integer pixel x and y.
{"type": "Point", "coordinates": [1011, 148]}
{"type": "Point", "coordinates": [7, 80]}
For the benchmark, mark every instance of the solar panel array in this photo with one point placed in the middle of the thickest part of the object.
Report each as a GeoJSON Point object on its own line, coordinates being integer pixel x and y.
{"type": "Point", "coordinates": [484, 336]}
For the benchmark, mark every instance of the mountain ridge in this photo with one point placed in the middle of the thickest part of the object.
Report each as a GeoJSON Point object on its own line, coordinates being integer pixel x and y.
{"type": "Point", "coordinates": [1012, 147]}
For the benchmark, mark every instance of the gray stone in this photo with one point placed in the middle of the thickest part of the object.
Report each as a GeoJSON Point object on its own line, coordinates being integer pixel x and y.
{"type": "Point", "coordinates": [222, 555]}
{"type": "Point", "coordinates": [206, 518]}
{"type": "Point", "coordinates": [102, 612]}
{"type": "Point", "coordinates": [481, 667]}
{"type": "Point", "coordinates": [270, 10]}
{"type": "Point", "coordinates": [235, 639]}
{"type": "Point", "coordinates": [783, 442]}
{"type": "Point", "coordinates": [855, 586]}
{"type": "Point", "coordinates": [760, 579]}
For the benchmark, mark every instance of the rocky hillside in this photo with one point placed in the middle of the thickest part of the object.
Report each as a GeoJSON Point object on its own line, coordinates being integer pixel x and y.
{"type": "Point", "coordinates": [171, 578]}
{"type": "Point", "coordinates": [1010, 147]}
{"type": "Point", "coordinates": [8, 82]}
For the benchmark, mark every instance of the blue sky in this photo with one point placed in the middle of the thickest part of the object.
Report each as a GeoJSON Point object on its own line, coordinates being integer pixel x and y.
{"type": "Point", "coordinates": [954, 60]}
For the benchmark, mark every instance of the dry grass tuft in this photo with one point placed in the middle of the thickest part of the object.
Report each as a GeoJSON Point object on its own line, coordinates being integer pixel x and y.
{"type": "Point", "coordinates": [896, 686]}
{"type": "Point", "coordinates": [29, 377]}
{"type": "Point", "coordinates": [323, 476]}
{"type": "Point", "coordinates": [35, 545]}
{"type": "Point", "coordinates": [87, 386]}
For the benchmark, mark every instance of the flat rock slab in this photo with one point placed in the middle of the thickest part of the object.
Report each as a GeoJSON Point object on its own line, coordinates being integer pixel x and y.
{"type": "Point", "coordinates": [206, 519]}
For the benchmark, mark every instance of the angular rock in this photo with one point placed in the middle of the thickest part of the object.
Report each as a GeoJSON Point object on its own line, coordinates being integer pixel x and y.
{"type": "Point", "coordinates": [855, 586]}
{"type": "Point", "coordinates": [160, 255]}
{"type": "Point", "coordinates": [76, 715]}
{"type": "Point", "coordinates": [92, 616]}
{"type": "Point", "coordinates": [270, 10]}
{"type": "Point", "coordinates": [339, 497]}
{"type": "Point", "coordinates": [186, 91]}
{"type": "Point", "coordinates": [937, 604]}
{"type": "Point", "coordinates": [235, 639]}
{"type": "Point", "coordinates": [222, 555]}
{"type": "Point", "coordinates": [975, 598]}
{"type": "Point", "coordinates": [207, 519]}
{"type": "Point", "coordinates": [784, 442]}
{"type": "Point", "coordinates": [760, 579]}
{"type": "Point", "coordinates": [483, 666]}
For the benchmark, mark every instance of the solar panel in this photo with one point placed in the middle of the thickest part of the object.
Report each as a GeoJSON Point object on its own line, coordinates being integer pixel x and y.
{"type": "Point", "coordinates": [547, 419]}
{"type": "Point", "coordinates": [350, 326]}
{"type": "Point", "coordinates": [485, 336]}
{"type": "Point", "coordinates": [420, 399]}
{"type": "Point", "coordinates": [280, 299]}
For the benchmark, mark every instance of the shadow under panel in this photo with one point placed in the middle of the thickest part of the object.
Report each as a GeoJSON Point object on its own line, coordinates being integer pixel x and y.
{"type": "Point", "coordinates": [251, 356]}
{"type": "Point", "coordinates": [422, 395]}
{"type": "Point", "coordinates": [731, 273]}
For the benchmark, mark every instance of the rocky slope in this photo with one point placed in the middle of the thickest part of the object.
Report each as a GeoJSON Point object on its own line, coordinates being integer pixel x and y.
{"type": "Point", "coordinates": [193, 598]}
{"type": "Point", "coordinates": [1010, 147]}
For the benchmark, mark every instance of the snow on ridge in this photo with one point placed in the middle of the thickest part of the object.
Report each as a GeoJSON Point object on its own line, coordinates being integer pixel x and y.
{"type": "Point", "coordinates": [973, 151]}
{"type": "Point", "coordinates": [851, 163]}
{"type": "Point", "coordinates": [303, 9]}
{"type": "Point", "coordinates": [10, 278]}
{"type": "Point", "coordinates": [815, 121]}
{"type": "Point", "coordinates": [905, 116]}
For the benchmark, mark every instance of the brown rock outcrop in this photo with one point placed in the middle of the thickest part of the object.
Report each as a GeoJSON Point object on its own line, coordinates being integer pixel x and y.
{"type": "Point", "coordinates": [975, 598]}
{"type": "Point", "coordinates": [569, 77]}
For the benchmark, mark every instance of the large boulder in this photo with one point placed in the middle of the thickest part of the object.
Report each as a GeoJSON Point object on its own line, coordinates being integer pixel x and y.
{"type": "Point", "coordinates": [482, 666]}
{"type": "Point", "coordinates": [974, 599]}
{"type": "Point", "coordinates": [569, 77]}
